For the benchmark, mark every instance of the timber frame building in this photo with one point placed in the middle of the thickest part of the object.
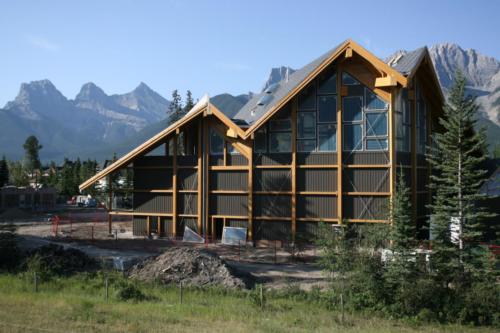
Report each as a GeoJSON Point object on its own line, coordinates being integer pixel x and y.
{"type": "Point", "coordinates": [324, 144]}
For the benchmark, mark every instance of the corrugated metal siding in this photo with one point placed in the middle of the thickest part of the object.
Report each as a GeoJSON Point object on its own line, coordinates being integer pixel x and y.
{"type": "Point", "coordinates": [366, 158]}
{"type": "Point", "coordinates": [272, 230]}
{"type": "Point", "coordinates": [187, 203]}
{"type": "Point", "coordinates": [307, 231]}
{"type": "Point", "coordinates": [403, 158]}
{"type": "Point", "coordinates": [354, 207]}
{"type": "Point", "coordinates": [406, 175]}
{"type": "Point", "coordinates": [236, 159]}
{"type": "Point", "coordinates": [229, 180]}
{"type": "Point", "coordinates": [366, 180]}
{"type": "Point", "coordinates": [316, 206]}
{"type": "Point", "coordinates": [272, 180]}
{"type": "Point", "coordinates": [228, 204]}
{"type": "Point", "coordinates": [317, 158]}
{"type": "Point", "coordinates": [158, 179]}
{"type": "Point", "coordinates": [187, 160]}
{"type": "Point", "coordinates": [153, 202]}
{"type": "Point", "coordinates": [272, 205]}
{"type": "Point", "coordinates": [324, 180]}
{"type": "Point", "coordinates": [216, 160]}
{"type": "Point", "coordinates": [273, 159]}
{"type": "Point", "coordinates": [187, 179]}
{"type": "Point", "coordinates": [139, 226]}
{"type": "Point", "coordinates": [153, 161]}
{"type": "Point", "coordinates": [422, 180]}
{"type": "Point", "coordinates": [237, 223]}
{"type": "Point", "coordinates": [167, 226]}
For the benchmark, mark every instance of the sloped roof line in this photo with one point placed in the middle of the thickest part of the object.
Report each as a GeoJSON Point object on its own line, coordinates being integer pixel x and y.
{"type": "Point", "coordinates": [291, 88]}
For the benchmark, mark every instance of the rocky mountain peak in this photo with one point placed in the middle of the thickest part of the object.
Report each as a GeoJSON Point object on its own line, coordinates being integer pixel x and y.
{"type": "Point", "coordinates": [278, 74]}
{"type": "Point", "coordinates": [89, 92]}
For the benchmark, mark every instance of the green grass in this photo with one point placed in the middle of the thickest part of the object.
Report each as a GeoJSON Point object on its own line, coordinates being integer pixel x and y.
{"type": "Point", "coordinates": [77, 304]}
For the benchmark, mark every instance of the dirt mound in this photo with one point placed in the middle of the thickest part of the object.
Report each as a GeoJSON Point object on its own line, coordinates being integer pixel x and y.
{"type": "Point", "coordinates": [56, 260]}
{"type": "Point", "coordinates": [194, 267]}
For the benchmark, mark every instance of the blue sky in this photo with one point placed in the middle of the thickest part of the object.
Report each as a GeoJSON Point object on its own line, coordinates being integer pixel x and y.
{"type": "Point", "coordinates": [215, 46]}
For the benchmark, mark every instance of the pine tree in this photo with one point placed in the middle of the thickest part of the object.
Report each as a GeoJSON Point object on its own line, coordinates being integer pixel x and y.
{"type": "Point", "coordinates": [4, 172]}
{"type": "Point", "coordinates": [189, 102]}
{"type": "Point", "coordinates": [31, 158]}
{"type": "Point", "coordinates": [456, 158]}
{"type": "Point", "coordinates": [175, 109]}
{"type": "Point", "coordinates": [17, 174]}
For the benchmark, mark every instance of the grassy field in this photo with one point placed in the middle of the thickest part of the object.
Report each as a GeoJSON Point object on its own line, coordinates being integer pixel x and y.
{"type": "Point", "coordinates": [78, 304]}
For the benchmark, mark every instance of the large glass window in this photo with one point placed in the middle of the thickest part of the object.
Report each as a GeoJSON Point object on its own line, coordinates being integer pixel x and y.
{"type": "Point", "coordinates": [376, 124]}
{"type": "Point", "coordinates": [306, 145]}
{"type": "Point", "coordinates": [353, 108]}
{"type": "Point", "coordinates": [376, 144]}
{"type": "Point", "coordinates": [306, 125]}
{"type": "Point", "coordinates": [280, 142]}
{"type": "Point", "coordinates": [216, 143]}
{"type": "Point", "coordinates": [327, 84]}
{"type": "Point", "coordinates": [231, 150]}
{"type": "Point", "coordinates": [280, 125]}
{"type": "Point", "coordinates": [260, 141]}
{"type": "Point", "coordinates": [348, 80]}
{"type": "Point", "coordinates": [327, 107]}
{"type": "Point", "coordinates": [307, 98]}
{"type": "Point", "coordinates": [373, 102]}
{"type": "Point", "coordinates": [353, 137]}
{"type": "Point", "coordinates": [327, 137]}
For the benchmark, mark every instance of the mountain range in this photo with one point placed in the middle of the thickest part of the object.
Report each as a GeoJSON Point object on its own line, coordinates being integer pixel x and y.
{"type": "Point", "coordinates": [96, 125]}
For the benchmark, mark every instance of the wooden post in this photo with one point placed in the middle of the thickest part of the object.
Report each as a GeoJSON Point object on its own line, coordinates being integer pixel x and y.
{"type": "Point", "coordinates": [110, 202]}
{"type": "Point", "coordinates": [294, 168]}
{"type": "Point", "coordinates": [148, 225]}
{"type": "Point", "coordinates": [250, 194]}
{"type": "Point", "coordinates": [206, 174]}
{"type": "Point", "coordinates": [174, 186]}
{"type": "Point", "coordinates": [339, 145]}
{"type": "Point", "coordinates": [414, 153]}
{"type": "Point", "coordinates": [392, 154]}
{"type": "Point", "coordinates": [200, 178]}
{"type": "Point", "coordinates": [158, 226]}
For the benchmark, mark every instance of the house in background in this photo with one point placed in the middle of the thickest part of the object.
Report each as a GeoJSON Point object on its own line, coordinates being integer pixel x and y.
{"type": "Point", "coordinates": [324, 144]}
{"type": "Point", "coordinates": [28, 198]}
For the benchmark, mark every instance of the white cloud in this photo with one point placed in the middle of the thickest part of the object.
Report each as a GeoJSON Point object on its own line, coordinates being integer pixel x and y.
{"type": "Point", "coordinates": [43, 43]}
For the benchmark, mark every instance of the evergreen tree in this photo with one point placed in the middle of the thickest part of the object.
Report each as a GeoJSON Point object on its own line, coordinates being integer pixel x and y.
{"type": "Point", "coordinates": [4, 172]}
{"type": "Point", "coordinates": [31, 157]}
{"type": "Point", "coordinates": [189, 102]}
{"type": "Point", "coordinates": [456, 158]}
{"type": "Point", "coordinates": [175, 109]}
{"type": "Point", "coordinates": [17, 174]}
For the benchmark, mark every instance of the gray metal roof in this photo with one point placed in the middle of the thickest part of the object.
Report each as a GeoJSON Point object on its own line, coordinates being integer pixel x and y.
{"type": "Point", "coordinates": [407, 63]}
{"type": "Point", "coordinates": [251, 111]}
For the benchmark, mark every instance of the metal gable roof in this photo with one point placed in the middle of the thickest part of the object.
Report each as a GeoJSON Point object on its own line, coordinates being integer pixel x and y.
{"type": "Point", "coordinates": [409, 61]}
{"type": "Point", "coordinates": [252, 111]}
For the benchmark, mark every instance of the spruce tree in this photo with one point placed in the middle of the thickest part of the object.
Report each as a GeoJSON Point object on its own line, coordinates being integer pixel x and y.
{"type": "Point", "coordinates": [189, 102]}
{"type": "Point", "coordinates": [456, 158]}
{"type": "Point", "coordinates": [4, 172]}
{"type": "Point", "coordinates": [175, 109]}
{"type": "Point", "coordinates": [31, 158]}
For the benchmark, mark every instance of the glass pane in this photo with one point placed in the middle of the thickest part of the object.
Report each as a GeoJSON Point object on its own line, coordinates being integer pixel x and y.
{"type": "Point", "coordinates": [373, 102]}
{"type": "Point", "coordinates": [216, 143]}
{"type": "Point", "coordinates": [260, 141]}
{"type": "Point", "coordinates": [280, 125]}
{"type": "Point", "coordinates": [352, 107]}
{"type": "Point", "coordinates": [348, 80]}
{"type": "Point", "coordinates": [328, 84]}
{"type": "Point", "coordinates": [327, 137]}
{"type": "Point", "coordinates": [306, 145]}
{"type": "Point", "coordinates": [376, 123]}
{"type": "Point", "coordinates": [376, 144]}
{"type": "Point", "coordinates": [327, 105]}
{"type": "Point", "coordinates": [353, 137]}
{"type": "Point", "coordinates": [307, 98]}
{"type": "Point", "coordinates": [231, 150]}
{"type": "Point", "coordinates": [280, 142]}
{"type": "Point", "coordinates": [306, 125]}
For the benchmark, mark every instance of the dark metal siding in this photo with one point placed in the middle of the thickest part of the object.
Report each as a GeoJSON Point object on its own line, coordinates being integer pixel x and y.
{"type": "Point", "coordinates": [153, 202]}
{"type": "Point", "coordinates": [153, 161]}
{"type": "Point", "coordinates": [317, 158]}
{"type": "Point", "coordinates": [158, 179]}
{"type": "Point", "coordinates": [139, 226]}
{"type": "Point", "coordinates": [308, 231]}
{"type": "Point", "coordinates": [228, 204]}
{"type": "Point", "coordinates": [191, 160]}
{"type": "Point", "coordinates": [316, 206]}
{"type": "Point", "coordinates": [187, 203]}
{"type": "Point", "coordinates": [187, 179]}
{"type": "Point", "coordinates": [237, 223]}
{"type": "Point", "coordinates": [216, 160]}
{"type": "Point", "coordinates": [167, 226]}
{"type": "Point", "coordinates": [229, 180]}
{"type": "Point", "coordinates": [366, 158]}
{"type": "Point", "coordinates": [272, 230]}
{"type": "Point", "coordinates": [354, 207]}
{"type": "Point", "coordinates": [236, 159]}
{"type": "Point", "coordinates": [403, 158]}
{"type": "Point", "coordinates": [182, 222]}
{"type": "Point", "coordinates": [272, 180]}
{"type": "Point", "coordinates": [272, 205]}
{"type": "Point", "coordinates": [324, 180]}
{"type": "Point", "coordinates": [406, 175]}
{"type": "Point", "coordinates": [273, 159]}
{"type": "Point", "coordinates": [366, 180]}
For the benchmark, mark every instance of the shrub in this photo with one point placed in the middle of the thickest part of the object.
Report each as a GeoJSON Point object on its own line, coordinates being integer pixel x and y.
{"type": "Point", "coordinates": [481, 305]}
{"type": "Point", "coordinates": [10, 255]}
{"type": "Point", "coordinates": [130, 292]}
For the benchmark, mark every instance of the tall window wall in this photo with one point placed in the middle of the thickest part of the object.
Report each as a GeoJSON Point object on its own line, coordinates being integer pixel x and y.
{"type": "Point", "coordinates": [364, 118]}
{"type": "Point", "coordinates": [403, 122]}
{"type": "Point", "coordinates": [421, 121]}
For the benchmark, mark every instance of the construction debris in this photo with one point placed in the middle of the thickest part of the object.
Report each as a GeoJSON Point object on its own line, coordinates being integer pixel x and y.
{"type": "Point", "coordinates": [192, 267]}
